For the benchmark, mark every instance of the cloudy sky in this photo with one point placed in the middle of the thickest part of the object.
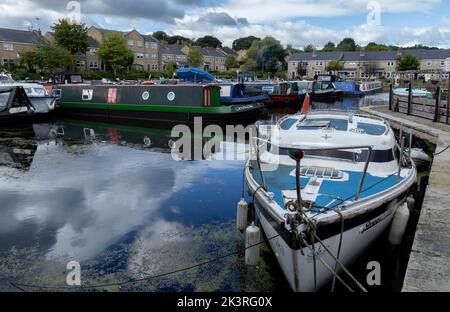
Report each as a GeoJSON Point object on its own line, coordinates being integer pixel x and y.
{"type": "Point", "coordinates": [296, 22]}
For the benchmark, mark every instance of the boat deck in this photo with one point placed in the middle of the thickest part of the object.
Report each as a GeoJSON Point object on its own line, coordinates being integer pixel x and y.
{"type": "Point", "coordinates": [330, 193]}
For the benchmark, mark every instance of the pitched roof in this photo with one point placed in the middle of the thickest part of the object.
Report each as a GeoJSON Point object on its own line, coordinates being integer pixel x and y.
{"type": "Point", "coordinates": [228, 50]}
{"type": "Point", "coordinates": [211, 52]}
{"type": "Point", "coordinates": [421, 54]}
{"type": "Point", "coordinates": [150, 38]}
{"type": "Point", "coordinates": [172, 49]}
{"type": "Point", "coordinates": [19, 36]}
{"type": "Point", "coordinates": [93, 43]}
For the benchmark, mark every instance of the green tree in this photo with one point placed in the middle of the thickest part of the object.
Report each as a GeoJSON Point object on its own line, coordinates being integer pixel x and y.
{"type": "Point", "coordinates": [348, 44]}
{"type": "Point", "coordinates": [268, 55]}
{"type": "Point", "coordinates": [231, 62]}
{"type": "Point", "coordinates": [114, 52]}
{"type": "Point", "coordinates": [53, 58]}
{"type": "Point", "coordinates": [209, 41]}
{"type": "Point", "coordinates": [195, 58]}
{"type": "Point", "coordinates": [329, 47]}
{"type": "Point", "coordinates": [29, 59]}
{"type": "Point", "coordinates": [71, 36]}
{"type": "Point", "coordinates": [170, 69]}
{"type": "Point", "coordinates": [309, 48]}
{"type": "Point", "coordinates": [178, 39]}
{"type": "Point", "coordinates": [160, 35]}
{"type": "Point", "coordinates": [334, 66]}
{"type": "Point", "coordinates": [244, 43]}
{"type": "Point", "coordinates": [407, 62]}
{"type": "Point", "coordinates": [372, 46]}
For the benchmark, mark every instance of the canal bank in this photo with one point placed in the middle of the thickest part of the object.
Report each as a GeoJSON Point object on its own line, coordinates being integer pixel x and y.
{"type": "Point", "coordinates": [428, 268]}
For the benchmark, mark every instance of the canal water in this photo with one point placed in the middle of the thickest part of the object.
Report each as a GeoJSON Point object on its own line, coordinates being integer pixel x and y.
{"type": "Point", "coordinates": [115, 200]}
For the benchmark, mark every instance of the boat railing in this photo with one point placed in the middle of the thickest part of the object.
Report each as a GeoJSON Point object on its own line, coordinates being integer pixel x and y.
{"type": "Point", "coordinates": [311, 148]}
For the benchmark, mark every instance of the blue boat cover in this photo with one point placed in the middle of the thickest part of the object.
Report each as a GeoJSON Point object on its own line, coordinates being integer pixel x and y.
{"type": "Point", "coordinates": [194, 74]}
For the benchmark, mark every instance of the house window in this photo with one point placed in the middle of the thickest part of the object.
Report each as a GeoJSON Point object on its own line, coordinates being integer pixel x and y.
{"type": "Point", "coordinates": [217, 67]}
{"type": "Point", "coordinates": [147, 56]}
{"type": "Point", "coordinates": [319, 63]}
{"type": "Point", "coordinates": [442, 63]}
{"type": "Point", "coordinates": [153, 45]}
{"type": "Point", "coordinates": [139, 56]}
{"type": "Point", "coordinates": [429, 63]}
{"type": "Point", "coordinates": [139, 44]}
{"type": "Point", "coordinates": [294, 64]}
{"type": "Point", "coordinates": [8, 47]}
{"type": "Point", "coordinates": [8, 62]}
{"type": "Point", "coordinates": [154, 56]}
{"type": "Point", "coordinates": [93, 64]}
{"type": "Point", "coordinates": [80, 63]}
{"type": "Point", "coordinates": [92, 51]}
{"type": "Point", "coordinates": [154, 66]}
{"type": "Point", "coordinates": [130, 43]}
{"type": "Point", "coordinates": [391, 64]}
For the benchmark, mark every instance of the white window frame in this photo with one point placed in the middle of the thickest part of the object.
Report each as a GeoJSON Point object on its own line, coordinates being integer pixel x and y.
{"type": "Point", "coordinates": [153, 45]}
{"type": "Point", "coordinates": [93, 64]}
{"type": "Point", "coordinates": [7, 46]}
{"type": "Point", "coordinates": [140, 56]}
{"type": "Point", "coordinates": [139, 44]}
{"type": "Point", "coordinates": [130, 43]}
{"type": "Point", "coordinates": [429, 63]}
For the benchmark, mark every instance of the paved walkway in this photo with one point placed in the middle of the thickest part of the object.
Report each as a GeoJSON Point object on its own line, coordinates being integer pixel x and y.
{"type": "Point", "coordinates": [429, 263]}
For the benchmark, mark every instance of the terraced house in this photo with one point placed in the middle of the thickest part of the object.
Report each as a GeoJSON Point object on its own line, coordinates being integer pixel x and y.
{"type": "Point", "coordinates": [144, 47]}
{"type": "Point", "coordinates": [173, 54]}
{"type": "Point", "coordinates": [13, 42]}
{"type": "Point", "coordinates": [366, 65]}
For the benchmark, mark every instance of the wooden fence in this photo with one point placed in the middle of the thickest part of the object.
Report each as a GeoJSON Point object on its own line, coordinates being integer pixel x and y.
{"type": "Point", "coordinates": [434, 108]}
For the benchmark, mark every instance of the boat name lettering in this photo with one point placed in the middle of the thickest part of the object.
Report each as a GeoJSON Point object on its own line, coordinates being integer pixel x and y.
{"type": "Point", "coordinates": [242, 107]}
{"type": "Point", "coordinates": [372, 223]}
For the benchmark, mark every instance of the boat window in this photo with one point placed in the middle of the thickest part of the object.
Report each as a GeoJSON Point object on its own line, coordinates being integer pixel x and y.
{"type": "Point", "coordinates": [288, 123]}
{"type": "Point", "coordinates": [39, 91]}
{"type": "Point", "coordinates": [76, 79]}
{"type": "Point", "coordinates": [4, 97]}
{"type": "Point", "coordinates": [372, 129]}
{"type": "Point", "coordinates": [338, 124]}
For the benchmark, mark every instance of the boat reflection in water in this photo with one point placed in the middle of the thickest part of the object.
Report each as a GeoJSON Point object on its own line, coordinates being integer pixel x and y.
{"type": "Point", "coordinates": [115, 200]}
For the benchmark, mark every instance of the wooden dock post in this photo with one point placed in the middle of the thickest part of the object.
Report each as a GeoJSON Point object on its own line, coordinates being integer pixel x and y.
{"type": "Point", "coordinates": [410, 98]}
{"type": "Point", "coordinates": [437, 107]}
{"type": "Point", "coordinates": [390, 97]}
{"type": "Point", "coordinates": [448, 100]}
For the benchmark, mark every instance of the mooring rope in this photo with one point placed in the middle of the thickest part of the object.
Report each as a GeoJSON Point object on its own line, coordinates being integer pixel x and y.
{"type": "Point", "coordinates": [146, 278]}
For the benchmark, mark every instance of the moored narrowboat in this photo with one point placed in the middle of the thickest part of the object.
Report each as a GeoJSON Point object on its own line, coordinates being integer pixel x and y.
{"type": "Point", "coordinates": [16, 110]}
{"type": "Point", "coordinates": [282, 93]}
{"type": "Point", "coordinates": [239, 93]}
{"type": "Point", "coordinates": [153, 105]}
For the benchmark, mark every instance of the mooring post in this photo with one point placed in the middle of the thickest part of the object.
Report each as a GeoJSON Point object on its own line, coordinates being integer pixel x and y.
{"type": "Point", "coordinates": [410, 94]}
{"type": "Point", "coordinates": [437, 107]}
{"type": "Point", "coordinates": [390, 97]}
{"type": "Point", "coordinates": [448, 99]}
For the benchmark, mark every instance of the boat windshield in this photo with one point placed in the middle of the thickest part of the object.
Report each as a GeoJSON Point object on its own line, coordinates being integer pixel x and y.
{"type": "Point", "coordinates": [372, 129]}
{"type": "Point", "coordinates": [314, 124]}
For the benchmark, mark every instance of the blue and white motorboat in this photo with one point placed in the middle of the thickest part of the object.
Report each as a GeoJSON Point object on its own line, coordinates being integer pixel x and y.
{"type": "Point", "coordinates": [422, 92]}
{"type": "Point", "coordinates": [326, 187]}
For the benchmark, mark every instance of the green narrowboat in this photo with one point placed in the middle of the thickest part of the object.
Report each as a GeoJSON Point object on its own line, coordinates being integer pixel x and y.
{"type": "Point", "coordinates": [152, 105]}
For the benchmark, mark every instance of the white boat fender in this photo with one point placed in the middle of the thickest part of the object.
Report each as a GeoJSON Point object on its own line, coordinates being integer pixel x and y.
{"type": "Point", "coordinates": [411, 203]}
{"type": "Point", "coordinates": [398, 226]}
{"type": "Point", "coordinates": [252, 242]}
{"type": "Point", "coordinates": [241, 215]}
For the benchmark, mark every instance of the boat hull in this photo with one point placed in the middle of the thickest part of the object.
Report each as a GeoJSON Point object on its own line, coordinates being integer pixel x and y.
{"type": "Point", "coordinates": [43, 105]}
{"type": "Point", "coordinates": [155, 118]}
{"type": "Point", "coordinates": [298, 268]}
